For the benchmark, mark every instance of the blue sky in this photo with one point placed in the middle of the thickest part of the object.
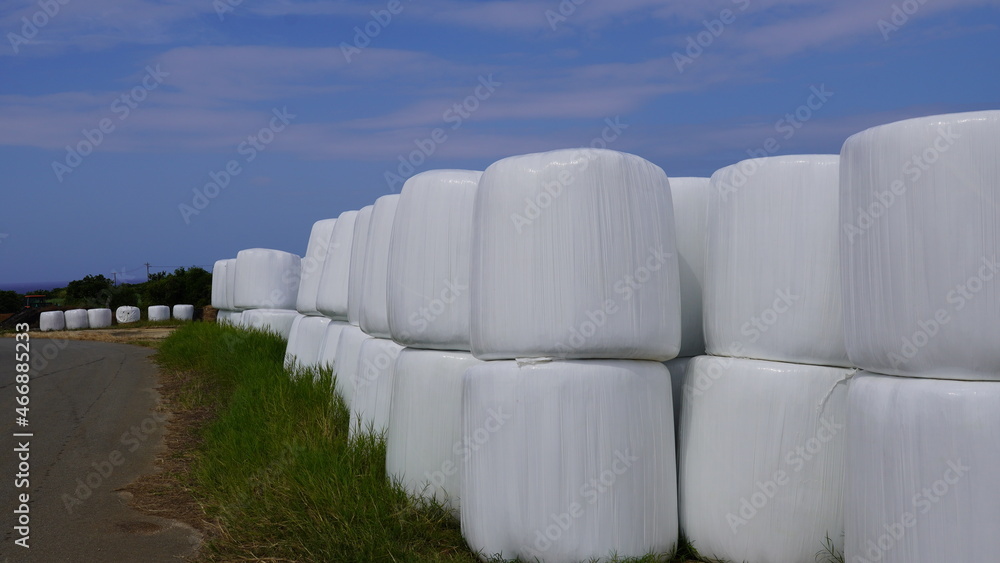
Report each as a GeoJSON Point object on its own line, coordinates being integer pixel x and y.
{"type": "Point", "coordinates": [315, 106]}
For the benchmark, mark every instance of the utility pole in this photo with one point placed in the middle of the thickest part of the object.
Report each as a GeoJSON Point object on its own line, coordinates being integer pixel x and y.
{"type": "Point", "coordinates": [115, 282]}
{"type": "Point", "coordinates": [147, 271]}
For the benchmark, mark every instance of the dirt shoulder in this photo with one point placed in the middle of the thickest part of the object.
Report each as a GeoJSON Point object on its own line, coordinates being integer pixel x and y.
{"type": "Point", "coordinates": [142, 336]}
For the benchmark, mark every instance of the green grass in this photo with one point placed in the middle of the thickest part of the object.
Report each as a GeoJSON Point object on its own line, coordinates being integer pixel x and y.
{"type": "Point", "coordinates": [277, 471]}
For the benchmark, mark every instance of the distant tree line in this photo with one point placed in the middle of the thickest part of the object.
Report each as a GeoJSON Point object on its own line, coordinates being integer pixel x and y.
{"type": "Point", "coordinates": [185, 285]}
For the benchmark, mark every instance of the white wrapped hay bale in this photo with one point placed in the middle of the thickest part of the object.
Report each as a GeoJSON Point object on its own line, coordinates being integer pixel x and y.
{"type": "Point", "coordinates": [568, 460]}
{"type": "Point", "coordinates": [772, 272]}
{"type": "Point", "coordinates": [761, 453]}
{"type": "Point", "coordinates": [345, 366]}
{"type": "Point", "coordinates": [275, 321]}
{"type": "Point", "coordinates": [220, 281]}
{"type": "Point", "coordinates": [231, 285]}
{"type": "Point", "coordinates": [266, 279]}
{"type": "Point", "coordinates": [127, 314]}
{"type": "Point", "coordinates": [920, 246]}
{"type": "Point", "coordinates": [311, 268]}
{"type": "Point", "coordinates": [424, 449]}
{"type": "Point", "coordinates": [328, 348]}
{"type": "Point", "coordinates": [51, 320]}
{"type": "Point", "coordinates": [373, 315]}
{"type": "Point", "coordinates": [99, 318]}
{"type": "Point", "coordinates": [573, 256]}
{"type": "Point", "coordinates": [356, 283]}
{"type": "Point", "coordinates": [921, 470]}
{"type": "Point", "coordinates": [183, 312]}
{"type": "Point", "coordinates": [690, 199]}
{"type": "Point", "coordinates": [373, 384]}
{"type": "Point", "coordinates": [158, 313]}
{"type": "Point", "coordinates": [331, 300]}
{"type": "Point", "coordinates": [428, 292]}
{"type": "Point", "coordinates": [225, 317]}
{"type": "Point", "coordinates": [76, 319]}
{"type": "Point", "coordinates": [304, 340]}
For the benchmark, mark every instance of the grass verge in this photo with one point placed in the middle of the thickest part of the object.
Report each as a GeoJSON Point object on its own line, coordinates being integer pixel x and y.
{"type": "Point", "coordinates": [271, 464]}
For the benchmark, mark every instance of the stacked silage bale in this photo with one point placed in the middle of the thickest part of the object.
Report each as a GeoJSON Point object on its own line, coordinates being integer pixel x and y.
{"type": "Point", "coordinates": [762, 426]}
{"type": "Point", "coordinates": [265, 289]}
{"type": "Point", "coordinates": [574, 294]}
{"type": "Point", "coordinates": [429, 313]}
{"type": "Point", "coordinates": [690, 201]}
{"type": "Point", "coordinates": [920, 239]}
{"type": "Point", "coordinates": [223, 288]}
{"type": "Point", "coordinates": [308, 329]}
{"type": "Point", "coordinates": [371, 398]}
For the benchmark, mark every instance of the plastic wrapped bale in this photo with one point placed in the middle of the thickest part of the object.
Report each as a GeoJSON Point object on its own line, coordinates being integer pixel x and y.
{"type": "Point", "coordinates": [77, 319]}
{"type": "Point", "coordinates": [428, 293]}
{"type": "Point", "coordinates": [220, 280]}
{"type": "Point", "coordinates": [373, 314]}
{"type": "Point", "coordinates": [690, 199]}
{"type": "Point", "coordinates": [345, 366]}
{"type": "Point", "coordinates": [183, 312]}
{"type": "Point", "coordinates": [266, 279]}
{"type": "Point", "coordinates": [328, 349]}
{"type": "Point", "coordinates": [921, 459]}
{"type": "Point", "coordinates": [772, 272]}
{"type": "Point", "coordinates": [424, 449]}
{"type": "Point", "coordinates": [311, 269]}
{"type": "Point", "coordinates": [762, 458]}
{"type": "Point", "coordinates": [331, 300]}
{"type": "Point", "coordinates": [920, 246]}
{"type": "Point", "coordinates": [231, 285]}
{"type": "Point", "coordinates": [99, 318]}
{"type": "Point", "coordinates": [225, 317]}
{"type": "Point", "coordinates": [158, 313]}
{"type": "Point", "coordinates": [573, 256]}
{"type": "Point", "coordinates": [127, 314]}
{"type": "Point", "coordinates": [356, 285]}
{"type": "Point", "coordinates": [373, 385]}
{"type": "Point", "coordinates": [304, 340]}
{"type": "Point", "coordinates": [568, 460]}
{"type": "Point", "coordinates": [275, 321]}
{"type": "Point", "coordinates": [51, 320]}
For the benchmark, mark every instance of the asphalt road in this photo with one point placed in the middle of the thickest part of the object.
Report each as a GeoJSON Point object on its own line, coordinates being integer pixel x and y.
{"type": "Point", "coordinates": [91, 413]}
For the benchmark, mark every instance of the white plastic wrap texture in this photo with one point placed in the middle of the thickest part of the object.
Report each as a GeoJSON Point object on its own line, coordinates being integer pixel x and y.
{"type": "Point", "coordinates": [920, 246]}
{"type": "Point", "coordinates": [266, 279]}
{"type": "Point", "coordinates": [331, 300]}
{"type": "Point", "coordinates": [573, 256]}
{"type": "Point", "coordinates": [762, 458]}
{"type": "Point", "coordinates": [99, 318]}
{"type": "Point", "coordinates": [429, 303]}
{"type": "Point", "coordinates": [127, 314]}
{"type": "Point", "coordinates": [311, 269]}
{"type": "Point", "coordinates": [51, 320]}
{"type": "Point", "coordinates": [227, 317]}
{"type": "Point", "coordinates": [304, 340]}
{"type": "Point", "coordinates": [220, 282]}
{"type": "Point", "coordinates": [356, 285]}
{"type": "Point", "coordinates": [277, 321]}
{"type": "Point", "coordinates": [328, 349]}
{"type": "Point", "coordinates": [76, 319]}
{"type": "Point", "coordinates": [345, 366]}
{"type": "Point", "coordinates": [158, 313]}
{"type": "Point", "coordinates": [373, 315]}
{"type": "Point", "coordinates": [424, 448]}
{"type": "Point", "coordinates": [921, 470]}
{"type": "Point", "coordinates": [373, 386]}
{"type": "Point", "coordinates": [231, 285]}
{"type": "Point", "coordinates": [183, 312]}
{"type": "Point", "coordinates": [690, 198]}
{"type": "Point", "coordinates": [568, 460]}
{"type": "Point", "coordinates": [772, 272]}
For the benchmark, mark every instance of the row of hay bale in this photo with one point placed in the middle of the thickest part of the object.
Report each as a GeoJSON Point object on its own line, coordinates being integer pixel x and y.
{"type": "Point", "coordinates": [75, 319]}
{"type": "Point", "coordinates": [531, 337]}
